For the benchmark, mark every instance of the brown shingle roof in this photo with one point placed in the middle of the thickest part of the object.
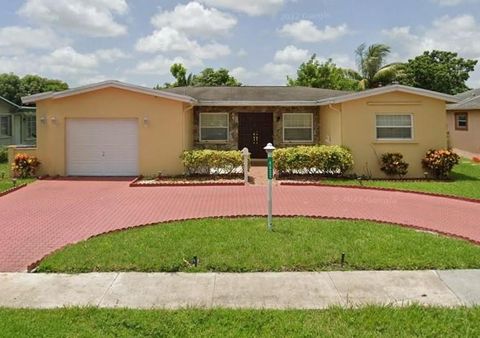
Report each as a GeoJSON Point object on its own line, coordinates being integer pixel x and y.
{"type": "Point", "coordinates": [257, 93]}
{"type": "Point", "coordinates": [470, 100]}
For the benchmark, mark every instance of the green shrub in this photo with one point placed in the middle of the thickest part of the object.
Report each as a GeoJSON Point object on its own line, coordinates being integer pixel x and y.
{"type": "Point", "coordinates": [394, 165]}
{"type": "Point", "coordinates": [310, 160]}
{"type": "Point", "coordinates": [212, 162]}
{"type": "Point", "coordinates": [440, 162]}
{"type": "Point", "coordinates": [3, 154]}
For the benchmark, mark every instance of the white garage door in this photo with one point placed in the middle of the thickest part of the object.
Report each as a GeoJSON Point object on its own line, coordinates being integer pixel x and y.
{"type": "Point", "coordinates": [101, 147]}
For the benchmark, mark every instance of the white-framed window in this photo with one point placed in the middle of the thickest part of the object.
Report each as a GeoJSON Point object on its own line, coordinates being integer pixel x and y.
{"type": "Point", "coordinates": [213, 127]}
{"type": "Point", "coordinates": [394, 127]}
{"type": "Point", "coordinates": [298, 127]}
{"type": "Point", "coordinates": [5, 125]}
{"type": "Point", "coordinates": [461, 121]}
{"type": "Point", "coordinates": [30, 123]}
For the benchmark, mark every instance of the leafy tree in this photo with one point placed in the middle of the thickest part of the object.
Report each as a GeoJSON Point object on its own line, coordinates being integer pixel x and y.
{"type": "Point", "coordinates": [208, 77]}
{"type": "Point", "coordinates": [373, 70]}
{"type": "Point", "coordinates": [323, 75]}
{"type": "Point", "coordinates": [440, 71]}
{"type": "Point", "coordinates": [10, 87]}
{"type": "Point", "coordinates": [211, 77]}
{"type": "Point", "coordinates": [33, 84]}
{"type": "Point", "coordinates": [13, 87]}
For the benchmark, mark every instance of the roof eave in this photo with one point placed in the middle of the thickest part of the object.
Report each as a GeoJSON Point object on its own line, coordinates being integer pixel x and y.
{"type": "Point", "coordinates": [388, 89]}
{"type": "Point", "coordinates": [257, 103]}
{"type": "Point", "coordinates": [107, 84]}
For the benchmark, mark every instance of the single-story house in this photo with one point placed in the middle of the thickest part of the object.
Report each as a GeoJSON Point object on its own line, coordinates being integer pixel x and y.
{"type": "Point", "coordinates": [464, 122]}
{"type": "Point", "coordinates": [114, 128]}
{"type": "Point", "coordinates": [17, 124]}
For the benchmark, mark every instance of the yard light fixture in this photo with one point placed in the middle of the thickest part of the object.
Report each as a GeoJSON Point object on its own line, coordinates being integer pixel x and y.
{"type": "Point", "coordinates": [269, 149]}
{"type": "Point", "coordinates": [14, 182]}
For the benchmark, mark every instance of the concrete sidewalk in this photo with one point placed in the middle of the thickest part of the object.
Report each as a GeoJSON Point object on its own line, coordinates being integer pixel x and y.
{"type": "Point", "coordinates": [299, 290]}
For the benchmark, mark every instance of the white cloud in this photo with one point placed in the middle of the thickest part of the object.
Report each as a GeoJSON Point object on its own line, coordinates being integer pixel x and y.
{"type": "Point", "coordinates": [242, 52]}
{"type": "Point", "coordinates": [458, 33]}
{"type": "Point", "coordinates": [170, 40]}
{"type": "Point", "coordinates": [195, 20]}
{"type": "Point", "coordinates": [110, 55]}
{"type": "Point", "coordinates": [307, 31]}
{"type": "Point", "coordinates": [164, 39]}
{"type": "Point", "coordinates": [211, 51]}
{"type": "Point", "coordinates": [18, 64]}
{"type": "Point", "coordinates": [242, 74]}
{"type": "Point", "coordinates": [160, 65]}
{"type": "Point", "coordinates": [291, 54]}
{"type": "Point", "coordinates": [278, 72]}
{"type": "Point", "coordinates": [250, 7]}
{"type": "Point", "coordinates": [89, 17]}
{"type": "Point", "coordinates": [342, 60]}
{"type": "Point", "coordinates": [68, 60]}
{"type": "Point", "coordinates": [447, 2]}
{"type": "Point", "coordinates": [450, 3]}
{"type": "Point", "coordinates": [17, 39]}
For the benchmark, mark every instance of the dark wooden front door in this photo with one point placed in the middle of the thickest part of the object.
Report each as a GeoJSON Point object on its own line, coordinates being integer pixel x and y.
{"type": "Point", "coordinates": [255, 130]}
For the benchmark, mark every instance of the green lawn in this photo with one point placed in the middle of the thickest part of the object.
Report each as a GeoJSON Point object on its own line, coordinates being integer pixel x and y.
{"type": "Point", "coordinates": [239, 245]}
{"type": "Point", "coordinates": [466, 182]}
{"type": "Point", "coordinates": [5, 180]}
{"type": "Point", "coordinates": [366, 322]}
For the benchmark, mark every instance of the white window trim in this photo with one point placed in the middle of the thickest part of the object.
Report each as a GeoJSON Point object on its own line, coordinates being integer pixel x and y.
{"type": "Point", "coordinates": [11, 126]}
{"type": "Point", "coordinates": [200, 128]}
{"type": "Point", "coordinates": [395, 139]}
{"type": "Point", "coordinates": [28, 137]}
{"type": "Point", "coordinates": [297, 141]}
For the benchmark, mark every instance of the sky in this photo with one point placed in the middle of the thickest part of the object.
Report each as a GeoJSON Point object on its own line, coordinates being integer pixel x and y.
{"type": "Point", "coordinates": [259, 41]}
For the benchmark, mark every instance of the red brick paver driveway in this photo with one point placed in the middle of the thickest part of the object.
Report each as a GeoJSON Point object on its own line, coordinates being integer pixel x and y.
{"type": "Point", "coordinates": [47, 215]}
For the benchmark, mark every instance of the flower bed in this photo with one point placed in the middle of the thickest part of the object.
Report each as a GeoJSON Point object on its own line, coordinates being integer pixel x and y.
{"type": "Point", "coordinates": [188, 181]}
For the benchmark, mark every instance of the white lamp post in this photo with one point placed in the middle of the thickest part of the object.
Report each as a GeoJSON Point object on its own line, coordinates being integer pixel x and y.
{"type": "Point", "coordinates": [269, 149]}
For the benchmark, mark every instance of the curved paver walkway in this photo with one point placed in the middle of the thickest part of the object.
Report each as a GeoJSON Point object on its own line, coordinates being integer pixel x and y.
{"type": "Point", "coordinates": [47, 215]}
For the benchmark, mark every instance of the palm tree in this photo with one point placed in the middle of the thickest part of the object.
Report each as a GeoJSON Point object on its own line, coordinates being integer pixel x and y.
{"type": "Point", "coordinates": [373, 70]}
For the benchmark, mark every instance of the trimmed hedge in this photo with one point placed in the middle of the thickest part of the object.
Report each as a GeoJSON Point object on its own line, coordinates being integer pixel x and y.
{"type": "Point", "coordinates": [212, 162]}
{"type": "Point", "coordinates": [313, 160]}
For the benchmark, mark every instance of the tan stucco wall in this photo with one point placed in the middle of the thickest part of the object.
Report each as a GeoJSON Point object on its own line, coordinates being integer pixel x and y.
{"type": "Point", "coordinates": [161, 140]}
{"type": "Point", "coordinates": [359, 134]}
{"type": "Point", "coordinates": [330, 125]}
{"type": "Point", "coordinates": [468, 140]}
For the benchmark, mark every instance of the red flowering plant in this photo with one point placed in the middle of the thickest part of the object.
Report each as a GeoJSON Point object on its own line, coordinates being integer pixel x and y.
{"type": "Point", "coordinates": [394, 165]}
{"type": "Point", "coordinates": [440, 162]}
{"type": "Point", "coordinates": [24, 166]}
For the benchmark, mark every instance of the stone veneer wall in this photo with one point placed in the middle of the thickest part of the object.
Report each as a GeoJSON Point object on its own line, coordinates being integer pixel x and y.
{"type": "Point", "coordinates": [232, 143]}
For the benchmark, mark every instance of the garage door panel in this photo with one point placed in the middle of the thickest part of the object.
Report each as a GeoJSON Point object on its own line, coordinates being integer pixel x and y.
{"type": "Point", "coordinates": [102, 147]}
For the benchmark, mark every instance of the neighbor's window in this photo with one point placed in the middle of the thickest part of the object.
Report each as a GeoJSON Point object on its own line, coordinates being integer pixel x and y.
{"type": "Point", "coordinates": [297, 127]}
{"type": "Point", "coordinates": [5, 126]}
{"type": "Point", "coordinates": [461, 121]}
{"type": "Point", "coordinates": [213, 126]}
{"type": "Point", "coordinates": [394, 127]}
{"type": "Point", "coordinates": [30, 127]}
